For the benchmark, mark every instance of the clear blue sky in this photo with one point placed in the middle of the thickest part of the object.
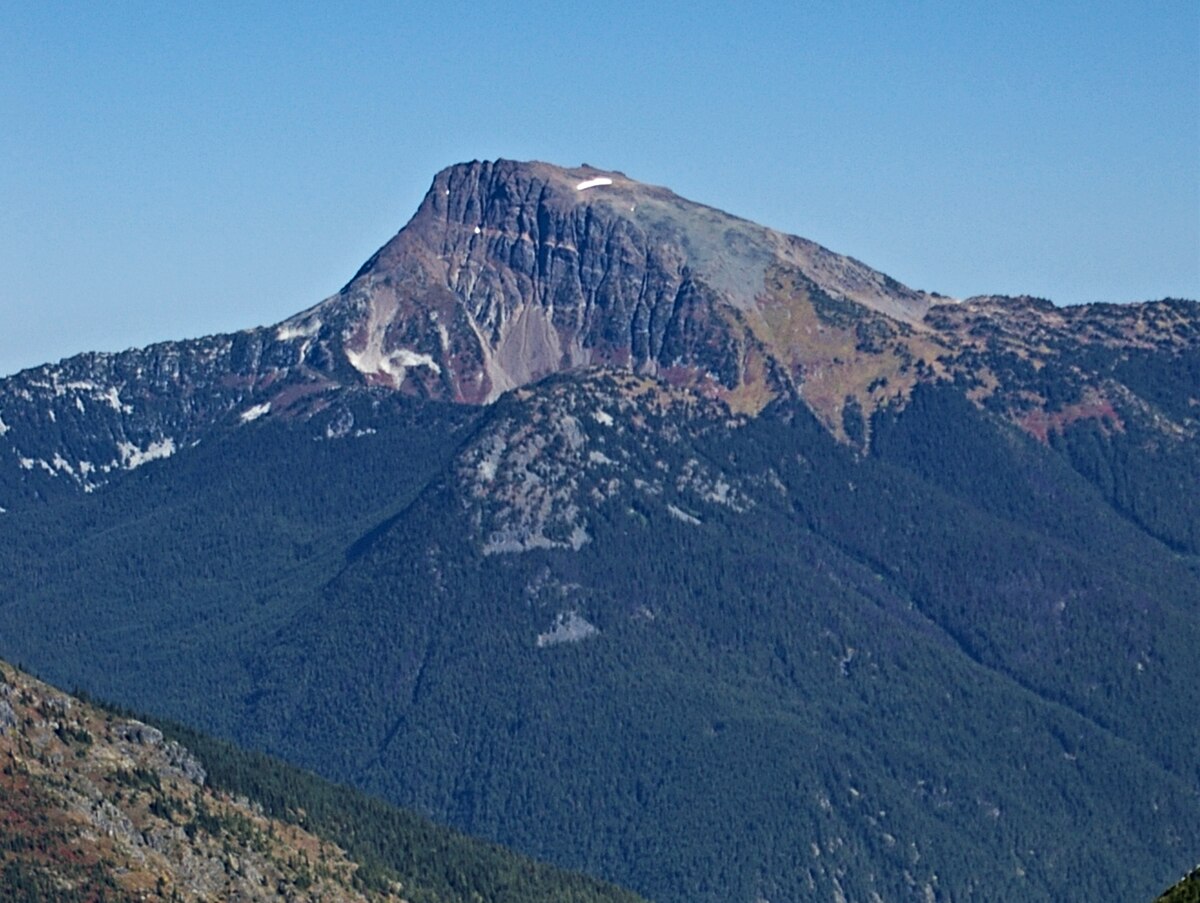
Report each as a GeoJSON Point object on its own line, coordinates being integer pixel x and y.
{"type": "Point", "coordinates": [172, 170]}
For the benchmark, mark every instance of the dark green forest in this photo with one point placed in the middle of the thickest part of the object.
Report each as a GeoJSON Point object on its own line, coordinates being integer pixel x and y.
{"type": "Point", "coordinates": [964, 661]}
{"type": "Point", "coordinates": [431, 863]}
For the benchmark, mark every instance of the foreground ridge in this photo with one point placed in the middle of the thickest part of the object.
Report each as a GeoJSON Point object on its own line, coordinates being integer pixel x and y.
{"type": "Point", "coordinates": [100, 806]}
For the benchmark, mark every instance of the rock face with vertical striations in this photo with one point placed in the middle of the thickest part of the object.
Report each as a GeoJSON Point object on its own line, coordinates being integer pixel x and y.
{"type": "Point", "coordinates": [511, 271]}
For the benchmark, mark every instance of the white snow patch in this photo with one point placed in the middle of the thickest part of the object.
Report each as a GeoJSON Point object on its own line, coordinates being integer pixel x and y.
{"type": "Point", "coordinates": [61, 463]}
{"type": "Point", "coordinates": [295, 329]}
{"type": "Point", "coordinates": [371, 360]}
{"type": "Point", "coordinates": [255, 412]}
{"type": "Point", "coordinates": [50, 414]}
{"type": "Point", "coordinates": [132, 456]}
{"type": "Point", "coordinates": [79, 404]}
{"type": "Point", "coordinates": [86, 467]}
{"type": "Point", "coordinates": [478, 230]}
{"type": "Point", "coordinates": [682, 515]}
{"type": "Point", "coordinates": [593, 183]}
{"type": "Point", "coordinates": [603, 417]}
{"type": "Point", "coordinates": [113, 397]}
{"type": "Point", "coordinates": [487, 470]}
{"type": "Point", "coordinates": [598, 457]}
{"type": "Point", "coordinates": [82, 385]}
{"type": "Point", "coordinates": [406, 358]}
{"type": "Point", "coordinates": [4, 427]}
{"type": "Point", "coordinates": [25, 463]}
{"type": "Point", "coordinates": [569, 627]}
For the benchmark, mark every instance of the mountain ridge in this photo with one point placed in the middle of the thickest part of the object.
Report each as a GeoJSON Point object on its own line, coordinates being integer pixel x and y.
{"type": "Point", "coordinates": [101, 806]}
{"type": "Point", "coordinates": [638, 546]}
{"type": "Point", "coordinates": [558, 278]}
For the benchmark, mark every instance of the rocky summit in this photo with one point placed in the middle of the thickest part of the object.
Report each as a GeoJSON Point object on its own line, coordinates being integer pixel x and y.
{"type": "Point", "coordinates": [656, 544]}
{"type": "Point", "coordinates": [510, 272]}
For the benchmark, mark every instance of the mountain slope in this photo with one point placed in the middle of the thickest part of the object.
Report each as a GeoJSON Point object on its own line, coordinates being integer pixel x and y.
{"type": "Point", "coordinates": [99, 806]}
{"type": "Point", "coordinates": [658, 544]}
{"type": "Point", "coordinates": [479, 654]}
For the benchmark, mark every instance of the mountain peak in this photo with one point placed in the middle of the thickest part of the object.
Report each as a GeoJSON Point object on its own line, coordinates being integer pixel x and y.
{"type": "Point", "coordinates": [513, 270]}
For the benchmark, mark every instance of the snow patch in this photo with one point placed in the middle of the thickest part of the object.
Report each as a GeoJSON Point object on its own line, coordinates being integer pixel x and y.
{"type": "Point", "coordinates": [4, 427]}
{"type": "Point", "coordinates": [372, 361]}
{"type": "Point", "coordinates": [680, 514]}
{"type": "Point", "coordinates": [406, 358]}
{"type": "Point", "coordinates": [293, 329]}
{"type": "Point", "coordinates": [255, 412]}
{"type": "Point", "coordinates": [61, 463]}
{"type": "Point", "coordinates": [79, 404]}
{"type": "Point", "coordinates": [113, 397]}
{"type": "Point", "coordinates": [593, 183]}
{"type": "Point", "coordinates": [25, 463]}
{"type": "Point", "coordinates": [132, 456]}
{"type": "Point", "coordinates": [598, 457]}
{"type": "Point", "coordinates": [603, 417]}
{"type": "Point", "coordinates": [568, 627]}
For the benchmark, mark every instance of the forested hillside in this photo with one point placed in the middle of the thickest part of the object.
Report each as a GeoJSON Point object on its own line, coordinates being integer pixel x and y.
{"type": "Point", "coordinates": [791, 628]}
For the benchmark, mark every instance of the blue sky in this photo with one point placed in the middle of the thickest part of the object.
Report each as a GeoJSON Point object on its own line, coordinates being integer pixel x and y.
{"type": "Point", "coordinates": [168, 171]}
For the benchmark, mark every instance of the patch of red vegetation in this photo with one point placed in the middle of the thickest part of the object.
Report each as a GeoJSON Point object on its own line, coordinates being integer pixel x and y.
{"type": "Point", "coordinates": [678, 377]}
{"type": "Point", "coordinates": [1040, 424]}
{"type": "Point", "coordinates": [34, 831]}
{"type": "Point", "coordinates": [268, 379]}
{"type": "Point", "coordinates": [292, 394]}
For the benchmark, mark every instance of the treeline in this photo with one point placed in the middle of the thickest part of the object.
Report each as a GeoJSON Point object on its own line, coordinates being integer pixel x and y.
{"type": "Point", "coordinates": [394, 847]}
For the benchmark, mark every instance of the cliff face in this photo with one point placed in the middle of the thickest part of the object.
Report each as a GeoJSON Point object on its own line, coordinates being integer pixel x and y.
{"type": "Point", "coordinates": [510, 271]}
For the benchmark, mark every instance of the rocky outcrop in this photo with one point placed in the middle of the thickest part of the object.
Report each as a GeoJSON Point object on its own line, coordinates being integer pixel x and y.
{"type": "Point", "coordinates": [95, 807]}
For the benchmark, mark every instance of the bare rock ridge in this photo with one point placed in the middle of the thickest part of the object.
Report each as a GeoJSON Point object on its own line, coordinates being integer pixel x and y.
{"type": "Point", "coordinates": [511, 271]}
